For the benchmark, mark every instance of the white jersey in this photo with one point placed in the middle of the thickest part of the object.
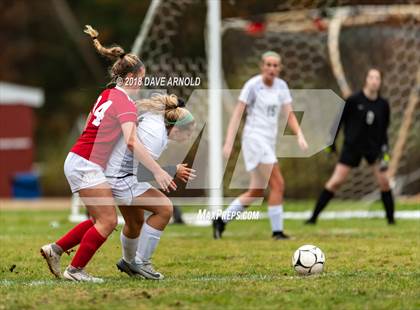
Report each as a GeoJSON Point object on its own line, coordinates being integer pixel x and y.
{"type": "Point", "coordinates": [151, 132]}
{"type": "Point", "coordinates": [263, 107]}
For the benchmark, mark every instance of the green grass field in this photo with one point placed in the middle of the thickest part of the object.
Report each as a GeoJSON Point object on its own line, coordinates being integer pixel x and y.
{"type": "Point", "coordinates": [369, 265]}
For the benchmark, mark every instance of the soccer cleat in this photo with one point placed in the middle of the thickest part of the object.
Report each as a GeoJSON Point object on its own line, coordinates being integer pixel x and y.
{"type": "Point", "coordinates": [218, 228]}
{"type": "Point", "coordinates": [79, 275]}
{"type": "Point", "coordinates": [128, 268]}
{"type": "Point", "coordinates": [310, 221]}
{"type": "Point", "coordinates": [136, 269]}
{"type": "Point", "coordinates": [147, 271]}
{"type": "Point", "coordinates": [52, 258]}
{"type": "Point", "coordinates": [279, 235]}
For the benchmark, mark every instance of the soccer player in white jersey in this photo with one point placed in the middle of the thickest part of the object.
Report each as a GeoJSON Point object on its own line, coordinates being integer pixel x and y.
{"type": "Point", "coordinates": [161, 117]}
{"type": "Point", "coordinates": [262, 97]}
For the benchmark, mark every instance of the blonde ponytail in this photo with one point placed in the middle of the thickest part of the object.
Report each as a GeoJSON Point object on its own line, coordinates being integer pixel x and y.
{"type": "Point", "coordinates": [169, 106]}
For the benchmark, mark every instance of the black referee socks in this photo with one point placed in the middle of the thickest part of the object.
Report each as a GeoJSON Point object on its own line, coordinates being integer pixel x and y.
{"type": "Point", "coordinates": [388, 202]}
{"type": "Point", "coordinates": [323, 200]}
{"type": "Point", "coordinates": [326, 196]}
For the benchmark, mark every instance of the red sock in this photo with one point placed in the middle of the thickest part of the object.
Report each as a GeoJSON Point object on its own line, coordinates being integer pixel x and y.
{"type": "Point", "coordinates": [74, 236]}
{"type": "Point", "coordinates": [90, 243]}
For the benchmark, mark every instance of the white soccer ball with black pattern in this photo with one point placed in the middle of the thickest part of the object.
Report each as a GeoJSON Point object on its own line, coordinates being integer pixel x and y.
{"type": "Point", "coordinates": [308, 259]}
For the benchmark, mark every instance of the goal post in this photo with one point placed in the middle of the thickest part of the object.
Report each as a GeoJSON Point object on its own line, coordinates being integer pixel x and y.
{"type": "Point", "coordinates": [214, 104]}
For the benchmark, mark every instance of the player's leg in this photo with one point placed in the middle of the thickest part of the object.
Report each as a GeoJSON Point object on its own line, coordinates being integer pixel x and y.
{"type": "Point", "coordinates": [151, 231]}
{"type": "Point", "coordinates": [99, 203]}
{"type": "Point", "coordinates": [134, 219]}
{"type": "Point", "coordinates": [130, 235]}
{"type": "Point", "coordinates": [275, 203]}
{"type": "Point", "coordinates": [255, 191]}
{"type": "Point", "coordinates": [349, 158]}
{"type": "Point", "coordinates": [338, 177]}
{"type": "Point", "coordinates": [88, 180]}
{"type": "Point", "coordinates": [52, 252]}
{"type": "Point", "coordinates": [253, 153]}
{"type": "Point", "coordinates": [386, 192]}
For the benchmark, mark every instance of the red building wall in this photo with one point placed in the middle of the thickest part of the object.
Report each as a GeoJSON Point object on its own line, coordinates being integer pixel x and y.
{"type": "Point", "coordinates": [16, 143]}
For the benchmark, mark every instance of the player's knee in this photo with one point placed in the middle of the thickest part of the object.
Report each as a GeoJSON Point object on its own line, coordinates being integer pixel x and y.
{"type": "Point", "coordinates": [384, 184]}
{"type": "Point", "coordinates": [137, 229]}
{"type": "Point", "coordinates": [166, 210]}
{"type": "Point", "coordinates": [139, 221]}
{"type": "Point", "coordinates": [135, 224]}
{"type": "Point", "coordinates": [333, 184]}
{"type": "Point", "coordinates": [112, 223]}
{"type": "Point", "coordinates": [108, 222]}
{"type": "Point", "coordinates": [166, 213]}
{"type": "Point", "coordinates": [278, 186]}
{"type": "Point", "coordinates": [131, 229]}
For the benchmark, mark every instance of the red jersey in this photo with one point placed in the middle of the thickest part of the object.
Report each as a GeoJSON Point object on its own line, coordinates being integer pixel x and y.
{"type": "Point", "coordinates": [113, 108]}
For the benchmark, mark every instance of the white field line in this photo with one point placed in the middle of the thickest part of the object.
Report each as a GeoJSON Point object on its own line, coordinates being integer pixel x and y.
{"type": "Point", "coordinates": [55, 282]}
{"type": "Point", "coordinates": [203, 278]}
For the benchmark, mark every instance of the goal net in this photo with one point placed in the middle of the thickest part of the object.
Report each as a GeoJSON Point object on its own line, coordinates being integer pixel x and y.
{"type": "Point", "coordinates": [322, 47]}
{"type": "Point", "coordinates": [332, 48]}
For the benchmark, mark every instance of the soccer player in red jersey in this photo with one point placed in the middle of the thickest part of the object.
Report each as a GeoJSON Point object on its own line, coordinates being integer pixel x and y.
{"type": "Point", "coordinates": [113, 115]}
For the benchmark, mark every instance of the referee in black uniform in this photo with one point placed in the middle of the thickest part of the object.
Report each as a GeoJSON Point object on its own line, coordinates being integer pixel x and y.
{"type": "Point", "coordinates": [366, 119]}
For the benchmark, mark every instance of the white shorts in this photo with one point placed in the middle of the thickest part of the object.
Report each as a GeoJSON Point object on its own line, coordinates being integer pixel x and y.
{"type": "Point", "coordinates": [82, 173]}
{"type": "Point", "coordinates": [258, 152]}
{"type": "Point", "coordinates": [126, 189]}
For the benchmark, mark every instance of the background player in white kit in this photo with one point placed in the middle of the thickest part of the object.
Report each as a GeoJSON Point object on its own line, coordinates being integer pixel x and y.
{"type": "Point", "coordinates": [263, 96]}
{"type": "Point", "coordinates": [161, 117]}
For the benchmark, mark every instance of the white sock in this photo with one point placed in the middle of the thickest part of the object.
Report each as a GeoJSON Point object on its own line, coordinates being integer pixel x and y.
{"type": "Point", "coordinates": [234, 207]}
{"type": "Point", "coordinates": [276, 217]}
{"type": "Point", "coordinates": [148, 241]}
{"type": "Point", "coordinates": [129, 247]}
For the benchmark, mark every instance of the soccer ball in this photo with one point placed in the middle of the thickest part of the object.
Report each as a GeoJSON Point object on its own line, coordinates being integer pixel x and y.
{"type": "Point", "coordinates": [308, 259]}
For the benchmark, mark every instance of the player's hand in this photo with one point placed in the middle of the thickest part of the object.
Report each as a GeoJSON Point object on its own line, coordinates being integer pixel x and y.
{"type": "Point", "coordinates": [227, 149]}
{"type": "Point", "coordinates": [165, 181]}
{"type": "Point", "coordinates": [184, 173]}
{"type": "Point", "coordinates": [302, 142]}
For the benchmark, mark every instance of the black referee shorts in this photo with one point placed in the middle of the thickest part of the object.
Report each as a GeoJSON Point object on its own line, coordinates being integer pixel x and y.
{"type": "Point", "coordinates": [352, 156]}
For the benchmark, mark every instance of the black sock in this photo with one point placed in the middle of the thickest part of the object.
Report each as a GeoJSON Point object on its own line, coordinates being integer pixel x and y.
{"type": "Point", "coordinates": [323, 200]}
{"type": "Point", "coordinates": [388, 202]}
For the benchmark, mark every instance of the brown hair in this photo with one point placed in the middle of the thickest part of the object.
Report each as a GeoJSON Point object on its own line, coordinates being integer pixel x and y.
{"type": "Point", "coordinates": [171, 107]}
{"type": "Point", "coordinates": [123, 63]}
{"type": "Point", "coordinates": [373, 68]}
